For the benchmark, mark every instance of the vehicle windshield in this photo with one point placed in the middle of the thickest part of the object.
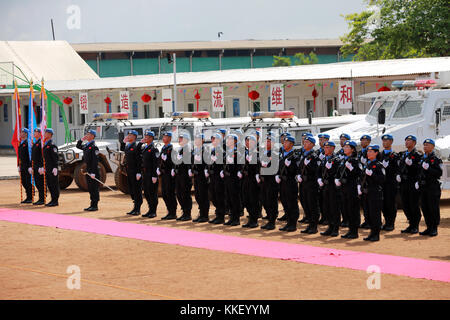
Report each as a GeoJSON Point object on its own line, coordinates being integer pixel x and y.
{"type": "Point", "coordinates": [110, 133]}
{"type": "Point", "coordinates": [381, 104]}
{"type": "Point", "coordinates": [408, 108]}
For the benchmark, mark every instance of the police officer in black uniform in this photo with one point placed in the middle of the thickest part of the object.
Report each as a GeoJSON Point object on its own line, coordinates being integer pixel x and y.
{"type": "Point", "coordinates": [90, 157]}
{"type": "Point", "coordinates": [251, 182]}
{"type": "Point", "coordinates": [167, 171]}
{"type": "Point", "coordinates": [362, 157]}
{"type": "Point", "coordinates": [326, 175]}
{"type": "Point", "coordinates": [372, 186]}
{"type": "Point", "coordinates": [343, 138]}
{"type": "Point", "coordinates": [51, 167]}
{"type": "Point", "coordinates": [38, 166]}
{"type": "Point", "coordinates": [270, 187]}
{"type": "Point", "coordinates": [216, 184]}
{"type": "Point", "coordinates": [150, 158]}
{"type": "Point", "coordinates": [409, 166]}
{"type": "Point", "coordinates": [200, 180]}
{"type": "Point", "coordinates": [133, 164]}
{"type": "Point", "coordinates": [428, 183]}
{"type": "Point", "coordinates": [323, 138]}
{"type": "Point", "coordinates": [389, 159]}
{"type": "Point", "coordinates": [25, 165]}
{"type": "Point", "coordinates": [183, 179]}
{"type": "Point", "coordinates": [300, 153]}
{"type": "Point", "coordinates": [307, 177]}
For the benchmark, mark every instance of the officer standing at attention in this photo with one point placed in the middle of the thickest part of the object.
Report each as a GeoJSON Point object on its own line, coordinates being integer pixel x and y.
{"type": "Point", "coordinates": [183, 177]}
{"type": "Point", "coordinates": [323, 138]}
{"type": "Point", "coordinates": [409, 166]}
{"type": "Point", "coordinates": [362, 157]}
{"type": "Point", "coordinates": [430, 172]}
{"type": "Point", "coordinates": [287, 171]}
{"type": "Point", "coordinates": [283, 137]}
{"type": "Point", "coordinates": [251, 182]}
{"type": "Point", "coordinates": [372, 186]}
{"type": "Point", "coordinates": [24, 168]}
{"type": "Point", "coordinates": [326, 175]}
{"type": "Point", "coordinates": [389, 160]}
{"type": "Point", "coordinates": [307, 177]}
{"type": "Point", "coordinates": [200, 180]}
{"type": "Point", "coordinates": [270, 187]}
{"type": "Point", "coordinates": [150, 157]}
{"type": "Point", "coordinates": [166, 170]}
{"type": "Point", "coordinates": [90, 157]}
{"type": "Point", "coordinates": [51, 167]}
{"type": "Point", "coordinates": [133, 164]}
{"type": "Point", "coordinates": [300, 153]}
{"type": "Point", "coordinates": [343, 138]}
{"type": "Point", "coordinates": [216, 184]}
{"type": "Point", "coordinates": [38, 166]}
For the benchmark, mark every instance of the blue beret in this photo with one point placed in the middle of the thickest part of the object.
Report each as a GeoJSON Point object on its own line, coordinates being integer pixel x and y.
{"type": "Point", "coordinates": [149, 133]}
{"type": "Point", "coordinates": [50, 130]}
{"type": "Point", "coordinates": [387, 137]}
{"type": "Point", "coordinates": [93, 132]}
{"type": "Point", "coordinates": [344, 135]}
{"type": "Point", "coordinates": [184, 135]}
{"type": "Point", "coordinates": [133, 132]}
{"type": "Point", "coordinates": [290, 139]}
{"type": "Point", "coordinates": [374, 147]}
{"type": "Point", "coordinates": [287, 134]}
{"type": "Point", "coordinates": [37, 130]}
{"type": "Point", "coordinates": [330, 144]}
{"type": "Point", "coordinates": [307, 134]}
{"type": "Point", "coordinates": [411, 137]}
{"type": "Point", "coordinates": [310, 139]}
{"type": "Point", "coordinates": [258, 133]}
{"type": "Point", "coordinates": [350, 143]}
{"type": "Point", "coordinates": [234, 136]}
{"type": "Point", "coordinates": [251, 137]}
{"type": "Point", "coordinates": [366, 136]}
{"type": "Point", "coordinates": [167, 133]}
{"type": "Point", "coordinates": [431, 141]}
{"type": "Point", "coordinates": [25, 130]}
{"type": "Point", "coordinates": [222, 131]}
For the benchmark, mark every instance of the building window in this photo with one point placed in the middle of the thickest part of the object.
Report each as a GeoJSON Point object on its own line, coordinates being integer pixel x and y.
{"type": "Point", "coordinates": [330, 107]}
{"type": "Point", "coordinates": [190, 107]}
{"type": "Point", "coordinates": [5, 112]}
{"type": "Point", "coordinates": [135, 110]}
{"type": "Point", "coordinates": [268, 104]}
{"type": "Point", "coordinates": [309, 107]}
{"type": "Point", "coordinates": [256, 106]}
{"type": "Point", "coordinates": [160, 112]}
{"type": "Point", "coordinates": [146, 111]}
{"type": "Point", "coordinates": [70, 114]}
{"type": "Point", "coordinates": [236, 108]}
{"type": "Point", "coordinates": [82, 119]}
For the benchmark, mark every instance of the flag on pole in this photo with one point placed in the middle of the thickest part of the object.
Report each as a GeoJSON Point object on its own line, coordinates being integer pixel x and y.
{"type": "Point", "coordinates": [31, 119]}
{"type": "Point", "coordinates": [43, 114]}
{"type": "Point", "coordinates": [18, 127]}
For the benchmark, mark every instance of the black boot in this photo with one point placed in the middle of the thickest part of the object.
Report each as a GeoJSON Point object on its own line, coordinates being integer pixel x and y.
{"type": "Point", "coordinates": [169, 216]}
{"type": "Point", "coordinates": [327, 232]}
{"type": "Point", "coordinates": [283, 218]}
{"type": "Point", "coordinates": [39, 202]}
{"type": "Point", "coordinates": [27, 200]}
{"type": "Point", "coordinates": [268, 226]}
{"type": "Point", "coordinates": [351, 234]}
{"type": "Point", "coordinates": [373, 236]}
{"type": "Point", "coordinates": [334, 231]}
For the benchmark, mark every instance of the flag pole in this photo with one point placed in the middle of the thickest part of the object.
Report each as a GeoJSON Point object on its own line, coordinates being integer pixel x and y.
{"type": "Point", "coordinates": [43, 118]}
{"type": "Point", "coordinates": [31, 112]}
{"type": "Point", "coordinates": [17, 133]}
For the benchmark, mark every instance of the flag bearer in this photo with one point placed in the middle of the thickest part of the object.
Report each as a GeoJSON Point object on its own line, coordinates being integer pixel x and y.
{"type": "Point", "coordinates": [25, 169]}
{"type": "Point", "coordinates": [38, 166]}
{"type": "Point", "coordinates": [51, 167]}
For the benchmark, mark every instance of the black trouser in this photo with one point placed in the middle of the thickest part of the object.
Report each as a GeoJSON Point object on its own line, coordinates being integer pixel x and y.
{"type": "Point", "coordinates": [389, 205]}
{"type": "Point", "coordinates": [410, 200]}
{"type": "Point", "coordinates": [26, 182]}
{"type": "Point", "coordinates": [374, 203]}
{"type": "Point", "coordinates": [251, 194]}
{"type": "Point", "coordinates": [135, 189]}
{"type": "Point", "coordinates": [53, 185]}
{"type": "Point", "coordinates": [39, 181]}
{"type": "Point", "coordinates": [217, 186]}
{"type": "Point", "coordinates": [309, 192]}
{"type": "Point", "coordinates": [233, 192]}
{"type": "Point", "coordinates": [351, 205]}
{"type": "Point", "coordinates": [365, 208]}
{"type": "Point", "coordinates": [340, 205]}
{"type": "Point", "coordinates": [201, 194]}
{"type": "Point", "coordinates": [320, 200]}
{"type": "Point", "coordinates": [301, 196]}
{"type": "Point", "coordinates": [151, 193]}
{"type": "Point", "coordinates": [168, 193]}
{"type": "Point", "coordinates": [183, 186]}
{"type": "Point", "coordinates": [288, 195]}
{"type": "Point", "coordinates": [330, 209]}
{"type": "Point", "coordinates": [431, 194]}
{"type": "Point", "coordinates": [93, 189]}
{"type": "Point", "coordinates": [270, 196]}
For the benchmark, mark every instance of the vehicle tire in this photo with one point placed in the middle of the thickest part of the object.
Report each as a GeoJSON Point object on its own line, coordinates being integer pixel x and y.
{"type": "Point", "coordinates": [121, 181]}
{"type": "Point", "coordinates": [80, 179]}
{"type": "Point", "coordinates": [64, 181]}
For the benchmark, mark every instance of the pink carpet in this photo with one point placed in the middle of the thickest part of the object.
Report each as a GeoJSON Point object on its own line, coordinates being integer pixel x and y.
{"type": "Point", "coordinates": [396, 265]}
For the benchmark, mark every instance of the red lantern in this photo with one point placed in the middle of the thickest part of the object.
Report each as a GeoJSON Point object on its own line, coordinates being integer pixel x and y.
{"type": "Point", "coordinates": [1, 103]}
{"type": "Point", "coordinates": [197, 97]}
{"type": "Point", "coordinates": [384, 88]}
{"type": "Point", "coordinates": [67, 100]}
{"type": "Point", "coordinates": [253, 95]}
{"type": "Point", "coordinates": [315, 94]}
{"type": "Point", "coordinates": [107, 100]}
{"type": "Point", "coordinates": [146, 98]}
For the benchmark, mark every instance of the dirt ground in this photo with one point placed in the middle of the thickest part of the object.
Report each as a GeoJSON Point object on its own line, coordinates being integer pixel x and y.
{"type": "Point", "coordinates": [34, 259]}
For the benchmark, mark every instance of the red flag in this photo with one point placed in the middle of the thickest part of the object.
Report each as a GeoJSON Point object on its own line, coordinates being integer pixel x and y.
{"type": "Point", "coordinates": [18, 127]}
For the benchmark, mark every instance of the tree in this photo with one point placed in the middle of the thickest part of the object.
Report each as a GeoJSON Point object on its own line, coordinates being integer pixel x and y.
{"type": "Point", "coordinates": [306, 59]}
{"type": "Point", "coordinates": [281, 61]}
{"type": "Point", "coordinates": [393, 29]}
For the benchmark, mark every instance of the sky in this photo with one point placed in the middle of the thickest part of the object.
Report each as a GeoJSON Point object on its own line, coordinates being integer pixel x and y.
{"type": "Point", "coordinates": [87, 21]}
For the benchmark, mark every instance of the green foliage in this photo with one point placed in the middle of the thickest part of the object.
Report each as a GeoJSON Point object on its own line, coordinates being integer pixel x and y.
{"type": "Point", "coordinates": [281, 61]}
{"type": "Point", "coordinates": [301, 58]}
{"type": "Point", "coordinates": [393, 29]}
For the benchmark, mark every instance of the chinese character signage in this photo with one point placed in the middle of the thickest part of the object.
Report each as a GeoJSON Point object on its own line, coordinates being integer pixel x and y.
{"type": "Point", "coordinates": [83, 102]}
{"type": "Point", "coordinates": [167, 100]}
{"type": "Point", "coordinates": [218, 101]}
{"type": "Point", "coordinates": [276, 97]}
{"type": "Point", "coordinates": [345, 94]}
{"type": "Point", "coordinates": [124, 101]}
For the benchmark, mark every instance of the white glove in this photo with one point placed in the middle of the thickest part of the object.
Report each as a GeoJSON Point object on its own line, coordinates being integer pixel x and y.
{"type": "Point", "coordinates": [385, 163]}
{"type": "Point", "coordinates": [363, 160]}
{"type": "Point", "coordinates": [248, 158]}
{"type": "Point", "coordinates": [416, 185]}
{"type": "Point", "coordinates": [55, 171]}
{"type": "Point", "coordinates": [158, 172]}
{"type": "Point", "coordinates": [239, 174]}
{"type": "Point", "coordinates": [398, 178]}
{"type": "Point", "coordinates": [277, 179]}
{"type": "Point", "coordinates": [198, 158]}
{"type": "Point", "coordinates": [138, 176]}
{"type": "Point", "coordinates": [30, 170]}
{"type": "Point", "coordinates": [213, 158]}
{"type": "Point", "coordinates": [337, 183]}
{"type": "Point", "coordinates": [408, 161]}
{"type": "Point", "coordinates": [299, 178]}
{"type": "Point", "coordinates": [307, 161]}
{"type": "Point", "coordinates": [369, 172]}
{"type": "Point", "coordinates": [164, 157]}
{"type": "Point", "coordinates": [93, 176]}
{"type": "Point", "coordinates": [349, 166]}
{"type": "Point", "coordinates": [321, 156]}
{"type": "Point", "coordinates": [229, 159]}
{"type": "Point", "coordinates": [359, 190]}
{"type": "Point", "coordinates": [257, 178]}
{"type": "Point", "coordinates": [221, 174]}
{"type": "Point", "coordinates": [172, 173]}
{"type": "Point", "coordinates": [18, 169]}
{"type": "Point", "coordinates": [206, 173]}
{"type": "Point", "coordinates": [154, 179]}
{"type": "Point", "coordinates": [287, 162]}
{"type": "Point", "coordinates": [425, 165]}
{"type": "Point", "coordinates": [264, 164]}
{"type": "Point", "coordinates": [190, 173]}
{"type": "Point", "coordinates": [328, 165]}
{"type": "Point", "coordinates": [179, 156]}
{"type": "Point", "coordinates": [320, 182]}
